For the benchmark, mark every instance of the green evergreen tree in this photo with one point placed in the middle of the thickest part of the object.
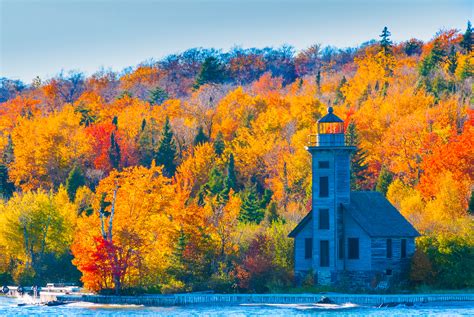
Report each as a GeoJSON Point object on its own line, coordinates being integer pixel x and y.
{"type": "Point", "coordinates": [466, 42]}
{"type": "Point", "coordinates": [231, 179]}
{"type": "Point", "coordinates": [8, 154]}
{"type": "Point", "coordinates": [212, 71]}
{"type": "Point", "coordinates": [318, 79]}
{"type": "Point", "coordinates": [124, 94]}
{"type": "Point", "coordinates": [266, 198]}
{"type": "Point", "coordinates": [219, 145]}
{"type": "Point", "coordinates": [358, 164]}
{"type": "Point", "coordinates": [157, 96]}
{"type": "Point", "coordinates": [452, 60]}
{"type": "Point", "coordinates": [385, 42]}
{"type": "Point", "coordinates": [166, 152]}
{"type": "Point", "coordinates": [432, 60]}
{"type": "Point", "coordinates": [384, 180]}
{"type": "Point", "coordinates": [200, 137]}
{"type": "Point", "coordinates": [471, 204]}
{"type": "Point", "coordinates": [146, 143]}
{"type": "Point", "coordinates": [115, 121]}
{"type": "Point", "coordinates": [339, 95]}
{"type": "Point", "coordinates": [6, 187]}
{"type": "Point", "coordinates": [87, 117]}
{"type": "Point", "coordinates": [74, 180]}
{"type": "Point", "coordinates": [300, 83]}
{"type": "Point", "coordinates": [178, 269]}
{"type": "Point", "coordinates": [114, 152]}
{"type": "Point", "coordinates": [272, 213]}
{"type": "Point", "coordinates": [251, 210]}
{"type": "Point", "coordinates": [467, 70]}
{"type": "Point", "coordinates": [215, 184]}
{"type": "Point", "coordinates": [385, 88]}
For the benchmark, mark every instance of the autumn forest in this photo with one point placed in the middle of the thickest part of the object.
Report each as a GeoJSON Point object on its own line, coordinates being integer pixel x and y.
{"type": "Point", "coordinates": [188, 173]}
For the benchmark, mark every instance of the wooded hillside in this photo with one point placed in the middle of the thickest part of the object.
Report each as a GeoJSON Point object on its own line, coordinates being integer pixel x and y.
{"type": "Point", "coordinates": [189, 172]}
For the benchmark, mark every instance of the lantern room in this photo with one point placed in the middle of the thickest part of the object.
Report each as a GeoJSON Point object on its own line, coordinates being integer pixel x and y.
{"type": "Point", "coordinates": [330, 131]}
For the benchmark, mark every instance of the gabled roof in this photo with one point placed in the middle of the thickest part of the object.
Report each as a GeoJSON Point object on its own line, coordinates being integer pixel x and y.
{"type": "Point", "coordinates": [301, 224]}
{"type": "Point", "coordinates": [374, 214]}
{"type": "Point", "coordinates": [377, 216]}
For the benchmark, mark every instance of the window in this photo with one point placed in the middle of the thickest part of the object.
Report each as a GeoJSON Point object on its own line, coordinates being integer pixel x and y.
{"type": "Point", "coordinates": [389, 248]}
{"type": "Point", "coordinates": [324, 219]}
{"type": "Point", "coordinates": [388, 272]}
{"type": "Point", "coordinates": [341, 249]}
{"type": "Point", "coordinates": [403, 251]}
{"type": "Point", "coordinates": [308, 248]}
{"type": "Point", "coordinates": [324, 253]}
{"type": "Point", "coordinates": [323, 186]}
{"type": "Point", "coordinates": [323, 164]}
{"type": "Point", "coordinates": [353, 244]}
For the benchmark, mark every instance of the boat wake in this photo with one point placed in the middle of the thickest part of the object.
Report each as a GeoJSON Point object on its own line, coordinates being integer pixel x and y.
{"type": "Point", "coordinates": [26, 300]}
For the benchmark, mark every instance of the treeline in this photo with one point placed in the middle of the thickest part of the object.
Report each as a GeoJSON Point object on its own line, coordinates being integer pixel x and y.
{"type": "Point", "coordinates": [188, 173]}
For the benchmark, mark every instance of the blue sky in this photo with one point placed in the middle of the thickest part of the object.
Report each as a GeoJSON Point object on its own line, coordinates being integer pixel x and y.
{"type": "Point", "coordinates": [41, 38]}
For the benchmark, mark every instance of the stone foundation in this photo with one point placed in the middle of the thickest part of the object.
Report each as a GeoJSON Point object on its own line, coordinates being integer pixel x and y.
{"type": "Point", "coordinates": [351, 280]}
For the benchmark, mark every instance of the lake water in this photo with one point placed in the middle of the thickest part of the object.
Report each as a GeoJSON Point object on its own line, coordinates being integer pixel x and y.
{"type": "Point", "coordinates": [9, 307]}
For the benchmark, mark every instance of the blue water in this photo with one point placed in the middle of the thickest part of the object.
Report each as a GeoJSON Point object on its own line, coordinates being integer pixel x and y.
{"type": "Point", "coordinates": [9, 307]}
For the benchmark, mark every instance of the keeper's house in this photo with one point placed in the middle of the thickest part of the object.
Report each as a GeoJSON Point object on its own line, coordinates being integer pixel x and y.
{"type": "Point", "coordinates": [351, 236]}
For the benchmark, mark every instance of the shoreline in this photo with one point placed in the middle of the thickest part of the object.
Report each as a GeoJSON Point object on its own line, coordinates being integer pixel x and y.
{"type": "Point", "coordinates": [238, 299]}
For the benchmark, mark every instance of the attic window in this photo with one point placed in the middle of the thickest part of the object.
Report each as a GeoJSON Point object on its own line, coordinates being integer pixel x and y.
{"type": "Point", "coordinates": [323, 164]}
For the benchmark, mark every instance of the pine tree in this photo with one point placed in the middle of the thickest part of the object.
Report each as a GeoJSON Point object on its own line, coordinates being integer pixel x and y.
{"type": "Point", "coordinates": [219, 145]}
{"type": "Point", "coordinates": [8, 154]}
{"type": "Point", "coordinates": [6, 187]}
{"type": "Point", "coordinates": [339, 95]}
{"type": "Point", "coordinates": [87, 117]}
{"type": "Point", "coordinates": [157, 96]}
{"type": "Point", "coordinates": [75, 180]}
{"type": "Point", "coordinates": [124, 94]}
{"type": "Point", "coordinates": [250, 210]}
{"type": "Point", "coordinates": [300, 83]}
{"type": "Point", "coordinates": [200, 137]}
{"type": "Point", "coordinates": [166, 152]}
{"type": "Point", "coordinates": [212, 71]}
{"type": "Point", "coordinates": [178, 269]}
{"type": "Point", "coordinates": [384, 180]}
{"type": "Point", "coordinates": [385, 42]}
{"type": "Point", "coordinates": [114, 152]}
{"type": "Point", "coordinates": [215, 184]}
{"type": "Point", "coordinates": [452, 61]}
{"type": "Point", "coordinates": [231, 179]}
{"type": "Point", "coordinates": [466, 42]}
{"type": "Point", "coordinates": [272, 213]}
{"type": "Point", "coordinates": [358, 164]}
{"type": "Point", "coordinates": [467, 70]}
{"type": "Point", "coordinates": [471, 204]}
{"type": "Point", "coordinates": [318, 79]}
{"type": "Point", "coordinates": [115, 121]}
{"type": "Point", "coordinates": [146, 143]}
{"type": "Point", "coordinates": [432, 60]}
